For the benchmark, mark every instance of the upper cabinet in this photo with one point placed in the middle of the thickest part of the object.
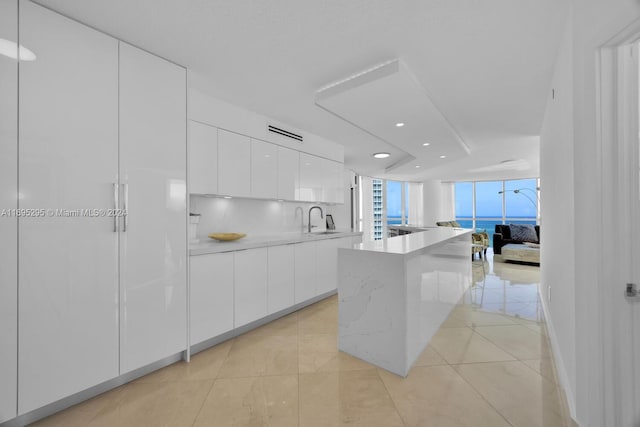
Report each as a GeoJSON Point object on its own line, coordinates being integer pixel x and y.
{"type": "Point", "coordinates": [288, 174]}
{"type": "Point", "coordinates": [264, 170]}
{"type": "Point", "coordinates": [203, 158]}
{"type": "Point", "coordinates": [321, 180]}
{"type": "Point", "coordinates": [312, 178]}
{"type": "Point", "coordinates": [230, 164]}
{"type": "Point", "coordinates": [234, 164]}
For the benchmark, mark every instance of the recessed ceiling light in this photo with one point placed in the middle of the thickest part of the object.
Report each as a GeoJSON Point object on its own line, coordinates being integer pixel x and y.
{"type": "Point", "coordinates": [417, 166]}
{"type": "Point", "coordinates": [381, 155]}
{"type": "Point", "coordinates": [426, 144]}
{"type": "Point", "coordinates": [443, 157]}
{"type": "Point", "coordinates": [399, 124]}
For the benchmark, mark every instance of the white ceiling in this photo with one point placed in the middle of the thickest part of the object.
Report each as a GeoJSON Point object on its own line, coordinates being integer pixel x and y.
{"type": "Point", "coordinates": [485, 65]}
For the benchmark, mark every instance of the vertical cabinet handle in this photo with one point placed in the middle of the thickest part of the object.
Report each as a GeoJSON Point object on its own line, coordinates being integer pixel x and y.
{"type": "Point", "coordinates": [125, 206]}
{"type": "Point", "coordinates": [115, 207]}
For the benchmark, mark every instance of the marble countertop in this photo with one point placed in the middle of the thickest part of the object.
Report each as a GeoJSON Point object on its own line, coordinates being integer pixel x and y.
{"type": "Point", "coordinates": [211, 246]}
{"type": "Point", "coordinates": [409, 243]}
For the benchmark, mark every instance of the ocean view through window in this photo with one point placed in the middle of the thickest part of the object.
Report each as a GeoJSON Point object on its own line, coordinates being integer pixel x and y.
{"type": "Point", "coordinates": [481, 205]}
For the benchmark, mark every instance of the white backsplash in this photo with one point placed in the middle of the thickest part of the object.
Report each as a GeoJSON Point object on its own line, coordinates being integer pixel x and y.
{"type": "Point", "coordinates": [260, 217]}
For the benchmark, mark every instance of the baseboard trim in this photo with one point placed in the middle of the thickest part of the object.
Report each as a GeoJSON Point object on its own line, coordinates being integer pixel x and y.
{"type": "Point", "coordinates": [561, 371]}
{"type": "Point", "coordinates": [74, 399]}
{"type": "Point", "coordinates": [201, 346]}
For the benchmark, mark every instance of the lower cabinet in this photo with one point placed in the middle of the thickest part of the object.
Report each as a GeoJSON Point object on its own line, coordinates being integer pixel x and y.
{"type": "Point", "coordinates": [327, 265]}
{"type": "Point", "coordinates": [281, 281]}
{"type": "Point", "coordinates": [211, 295]}
{"type": "Point", "coordinates": [305, 271]}
{"type": "Point", "coordinates": [250, 270]}
{"type": "Point", "coordinates": [233, 289]}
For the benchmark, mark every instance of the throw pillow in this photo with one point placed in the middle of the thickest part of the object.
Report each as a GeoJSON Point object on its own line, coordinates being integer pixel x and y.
{"type": "Point", "coordinates": [523, 233]}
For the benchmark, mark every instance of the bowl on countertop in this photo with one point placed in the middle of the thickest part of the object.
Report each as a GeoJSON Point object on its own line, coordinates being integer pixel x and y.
{"type": "Point", "coordinates": [226, 237]}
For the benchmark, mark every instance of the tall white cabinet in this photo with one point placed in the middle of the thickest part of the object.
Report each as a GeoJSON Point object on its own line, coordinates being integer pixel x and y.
{"type": "Point", "coordinates": [153, 251]}
{"type": "Point", "coordinates": [8, 223]}
{"type": "Point", "coordinates": [101, 125]}
{"type": "Point", "coordinates": [68, 322]}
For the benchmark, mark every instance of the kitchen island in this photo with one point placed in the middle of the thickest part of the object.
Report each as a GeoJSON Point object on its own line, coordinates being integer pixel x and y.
{"type": "Point", "coordinates": [395, 293]}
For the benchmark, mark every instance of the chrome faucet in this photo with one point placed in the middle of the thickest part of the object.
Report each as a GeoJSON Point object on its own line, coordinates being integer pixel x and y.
{"type": "Point", "coordinates": [310, 209]}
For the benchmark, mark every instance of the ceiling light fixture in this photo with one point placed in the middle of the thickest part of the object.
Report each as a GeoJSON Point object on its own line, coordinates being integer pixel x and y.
{"type": "Point", "coordinates": [443, 157]}
{"type": "Point", "coordinates": [227, 197]}
{"type": "Point", "coordinates": [426, 144]}
{"type": "Point", "coordinates": [417, 166]}
{"type": "Point", "coordinates": [11, 49]}
{"type": "Point", "coordinates": [399, 124]}
{"type": "Point", "coordinates": [381, 155]}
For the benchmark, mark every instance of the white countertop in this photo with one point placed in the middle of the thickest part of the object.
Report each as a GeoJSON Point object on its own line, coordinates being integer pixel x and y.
{"type": "Point", "coordinates": [408, 243]}
{"type": "Point", "coordinates": [211, 246]}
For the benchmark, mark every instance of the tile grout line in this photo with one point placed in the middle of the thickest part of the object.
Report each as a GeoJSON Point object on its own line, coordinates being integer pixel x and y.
{"type": "Point", "coordinates": [481, 395]}
{"type": "Point", "coordinates": [391, 398]}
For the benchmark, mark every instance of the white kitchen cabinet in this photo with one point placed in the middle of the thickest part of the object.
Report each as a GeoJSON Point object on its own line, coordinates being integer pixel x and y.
{"type": "Point", "coordinates": [327, 265]}
{"type": "Point", "coordinates": [305, 271]}
{"type": "Point", "coordinates": [211, 295]}
{"type": "Point", "coordinates": [153, 236]}
{"type": "Point", "coordinates": [234, 164]}
{"type": "Point", "coordinates": [312, 178]}
{"type": "Point", "coordinates": [203, 158]}
{"type": "Point", "coordinates": [288, 174]}
{"type": "Point", "coordinates": [264, 170]}
{"type": "Point", "coordinates": [334, 182]}
{"type": "Point", "coordinates": [281, 280]}
{"type": "Point", "coordinates": [250, 274]}
{"type": "Point", "coordinates": [68, 297]}
{"type": "Point", "coordinates": [8, 224]}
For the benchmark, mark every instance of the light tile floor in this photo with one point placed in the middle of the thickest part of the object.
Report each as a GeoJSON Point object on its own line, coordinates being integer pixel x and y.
{"type": "Point", "coordinates": [488, 365]}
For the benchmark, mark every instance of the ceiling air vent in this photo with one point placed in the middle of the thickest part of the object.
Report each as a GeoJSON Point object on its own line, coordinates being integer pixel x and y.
{"type": "Point", "coordinates": [283, 132]}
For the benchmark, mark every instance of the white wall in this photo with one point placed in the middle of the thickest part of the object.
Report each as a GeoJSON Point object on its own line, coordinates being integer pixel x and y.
{"type": "Point", "coordinates": [558, 218]}
{"type": "Point", "coordinates": [574, 273]}
{"type": "Point", "coordinates": [438, 199]}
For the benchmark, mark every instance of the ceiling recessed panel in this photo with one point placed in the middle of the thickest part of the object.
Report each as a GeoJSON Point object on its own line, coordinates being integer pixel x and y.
{"type": "Point", "coordinates": [377, 100]}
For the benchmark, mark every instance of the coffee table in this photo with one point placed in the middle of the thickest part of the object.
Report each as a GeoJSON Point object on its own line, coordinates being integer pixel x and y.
{"type": "Point", "coordinates": [521, 253]}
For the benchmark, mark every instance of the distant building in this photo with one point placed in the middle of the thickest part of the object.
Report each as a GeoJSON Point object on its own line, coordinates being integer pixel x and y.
{"type": "Point", "coordinates": [377, 209]}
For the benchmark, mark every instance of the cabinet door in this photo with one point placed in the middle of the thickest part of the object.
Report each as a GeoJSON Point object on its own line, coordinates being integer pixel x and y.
{"type": "Point", "coordinates": [327, 265]}
{"type": "Point", "coordinates": [305, 271]}
{"type": "Point", "coordinates": [203, 158]}
{"type": "Point", "coordinates": [251, 274]}
{"type": "Point", "coordinates": [288, 174]}
{"type": "Point", "coordinates": [334, 182]}
{"type": "Point", "coordinates": [312, 178]}
{"type": "Point", "coordinates": [68, 336]}
{"type": "Point", "coordinates": [264, 170]}
{"type": "Point", "coordinates": [153, 239]}
{"type": "Point", "coordinates": [281, 278]}
{"type": "Point", "coordinates": [211, 295]}
{"type": "Point", "coordinates": [8, 223]}
{"type": "Point", "coordinates": [234, 164]}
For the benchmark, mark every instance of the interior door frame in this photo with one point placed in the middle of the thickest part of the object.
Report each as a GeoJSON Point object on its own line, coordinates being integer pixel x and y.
{"type": "Point", "coordinates": [616, 403]}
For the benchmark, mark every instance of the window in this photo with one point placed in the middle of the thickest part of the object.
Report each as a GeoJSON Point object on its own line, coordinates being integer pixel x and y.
{"type": "Point", "coordinates": [383, 203]}
{"type": "Point", "coordinates": [394, 203]}
{"type": "Point", "coordinates": [483, 204]}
